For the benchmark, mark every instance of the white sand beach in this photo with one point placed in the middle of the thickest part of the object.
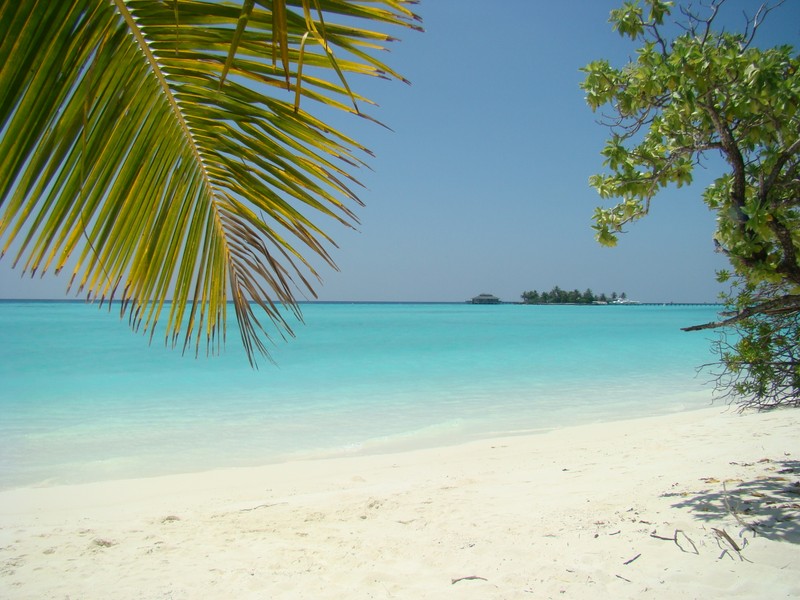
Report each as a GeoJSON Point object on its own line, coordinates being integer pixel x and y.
{"type": "Point", "coordinates": [702, 504]}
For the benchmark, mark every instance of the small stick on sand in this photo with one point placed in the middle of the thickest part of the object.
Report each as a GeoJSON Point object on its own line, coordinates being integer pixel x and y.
{"type": "Point", "coordinates": [454, 581]}
{"type": "Point", "coordinates": [627, 562]}
{"type": "Point", "coordinates": [677, 531]}
{"type": "Point", "coordinates": [674, 539]}
{"type": "Point", "coordinates": [733, 513]}
{"type": "Point", "coordinates": [723, 535]}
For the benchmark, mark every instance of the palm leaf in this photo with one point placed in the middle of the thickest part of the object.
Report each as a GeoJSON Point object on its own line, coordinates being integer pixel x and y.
{"type": "Point", "coordinates": [152, 146]}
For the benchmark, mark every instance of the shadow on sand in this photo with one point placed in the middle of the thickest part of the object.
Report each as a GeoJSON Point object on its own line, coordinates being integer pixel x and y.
{"type": "Point", "coordinates": [767, 504]}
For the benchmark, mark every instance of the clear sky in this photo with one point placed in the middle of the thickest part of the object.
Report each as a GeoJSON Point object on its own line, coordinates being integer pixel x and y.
{"type": "Point", "coordinates": [482, 184]}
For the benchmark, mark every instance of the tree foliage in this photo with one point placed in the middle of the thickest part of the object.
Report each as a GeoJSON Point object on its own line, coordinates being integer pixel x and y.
{"type": "Point", "coordinates": [693, 91]}
{"type": "Point", "coordinates": [759, 350]}
{"type": "Point", "coordinates": [170, 149]}
{"type": "Point", "coordinates": [559, 296]}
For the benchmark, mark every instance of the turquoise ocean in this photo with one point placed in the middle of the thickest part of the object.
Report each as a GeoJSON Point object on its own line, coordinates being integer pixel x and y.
{"type": "Point", "coordinates": [82, 398]}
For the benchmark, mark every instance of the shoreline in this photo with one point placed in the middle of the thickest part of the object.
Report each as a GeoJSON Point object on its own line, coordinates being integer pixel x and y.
{"type": "Point", "coordinates": [428, 437]}
{"type": "Point", "coordinates": [620, 509]}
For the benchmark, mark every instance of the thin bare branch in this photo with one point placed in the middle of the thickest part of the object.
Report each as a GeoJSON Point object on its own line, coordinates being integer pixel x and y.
{"type": "Point", "coordinates": [790, 302]}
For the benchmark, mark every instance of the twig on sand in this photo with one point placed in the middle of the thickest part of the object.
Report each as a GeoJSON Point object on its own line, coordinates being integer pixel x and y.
{"type": "Point", "coordinates": [627, 562]}
{"type": "Point", "coordinates": [677, 531]}
{"type": "Point", "coordinates": [623, 578]}
{"type": "Point", "coordinates": [723, 535]}
{"type": "Point", "coordinates": [260, 506]}
{"type": "Point", "coordinates": [733, 513]}
{"type": "Point", "coordinates": [246, 509]}
{"type": "Point", "coordinates": [674, 538]}
{"type": "Point", "coordinates": [454, 581]}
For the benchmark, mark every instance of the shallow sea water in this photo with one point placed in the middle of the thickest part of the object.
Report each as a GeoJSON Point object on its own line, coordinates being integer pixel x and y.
{"type": "Point", "coordinates": [84, 399]}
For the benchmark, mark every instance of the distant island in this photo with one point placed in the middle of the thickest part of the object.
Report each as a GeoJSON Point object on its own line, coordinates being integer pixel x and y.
{"type": "Point", "coordinates": [559, 296]}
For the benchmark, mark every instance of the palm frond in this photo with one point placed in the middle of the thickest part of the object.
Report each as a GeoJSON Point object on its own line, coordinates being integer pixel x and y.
{"type": "Point", "coordinates": [155, 146]}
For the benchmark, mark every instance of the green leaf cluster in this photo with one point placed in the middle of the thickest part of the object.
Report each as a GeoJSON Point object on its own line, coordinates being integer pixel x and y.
{"type": "Point", "coordinates": [165, 148]}
{"type": "Point", "coordinates": [698, 93]}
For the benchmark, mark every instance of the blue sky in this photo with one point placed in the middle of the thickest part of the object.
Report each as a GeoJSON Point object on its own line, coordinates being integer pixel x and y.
{"type": "Point", "coordinates": [482, 184]}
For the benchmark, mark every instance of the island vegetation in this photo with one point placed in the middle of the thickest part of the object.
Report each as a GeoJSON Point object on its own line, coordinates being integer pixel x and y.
{"type": "Point", "coordinates": [559, 296]}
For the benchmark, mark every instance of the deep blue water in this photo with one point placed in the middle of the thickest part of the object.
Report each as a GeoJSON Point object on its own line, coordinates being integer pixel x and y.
{"type": "Point", "coordinates": [83, 398]}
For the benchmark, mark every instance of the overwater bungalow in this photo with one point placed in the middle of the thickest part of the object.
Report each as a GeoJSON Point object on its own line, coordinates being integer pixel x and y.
{"type": "Point", "coordinates": [485, 299]}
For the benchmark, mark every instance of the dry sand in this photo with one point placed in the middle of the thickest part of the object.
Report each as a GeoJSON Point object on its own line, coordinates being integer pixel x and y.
{"type": "Point", "coordinates": [703, 504]}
